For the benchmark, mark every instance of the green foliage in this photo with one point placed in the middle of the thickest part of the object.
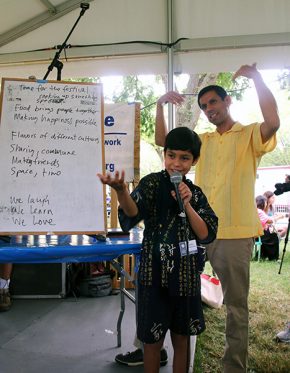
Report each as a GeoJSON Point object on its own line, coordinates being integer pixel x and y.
{"type": "Point", "coordinates": [235, 88]}
{"type": "Point", "coordinates": [84, 80]}
{"type": "Point", "coordinates": [136, 91]}
{"type": "Point", "coordinates": [284, 80]}
{"type": "Point", "coordinates": [279, 157]}
{"type": "Point", "coordinates": [133, 90]}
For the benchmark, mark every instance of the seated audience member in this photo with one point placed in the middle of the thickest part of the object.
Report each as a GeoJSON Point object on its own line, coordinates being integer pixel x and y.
{"type": "Point", "coordinates": [270, 239]}
{"type": "Point", "coordinates": [5, 274]}
{"type": "Point", "coordinates": [270, 199]}
{"type": "Point", "coordinates": [270, 210]}
{"type": "Point", "coordinates": [265, 219]}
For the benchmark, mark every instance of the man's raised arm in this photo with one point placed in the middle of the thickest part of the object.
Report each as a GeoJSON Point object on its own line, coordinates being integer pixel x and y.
{"type": "Point", "coordinates": [160, 124]}
{"type": "Point", "coordinates": [267, 101]}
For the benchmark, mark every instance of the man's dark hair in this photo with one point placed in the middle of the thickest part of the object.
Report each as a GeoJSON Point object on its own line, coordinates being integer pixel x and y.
{"type": "Point", "coordinates": [183, 138]}
{"type": "Point", "coordinates": [220, 91]}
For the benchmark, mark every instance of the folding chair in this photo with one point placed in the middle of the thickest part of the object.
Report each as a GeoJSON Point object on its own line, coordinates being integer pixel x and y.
{"type": "Point", "coordinates": [257, 249]}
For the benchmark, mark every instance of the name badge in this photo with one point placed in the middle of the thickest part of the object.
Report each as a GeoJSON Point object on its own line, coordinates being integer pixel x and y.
{"type": "Point", "coordinates": [192, 247]}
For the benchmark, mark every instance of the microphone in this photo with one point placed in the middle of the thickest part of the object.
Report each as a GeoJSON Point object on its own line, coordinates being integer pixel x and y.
{"type": "Point", "coordinates": [176, 179]}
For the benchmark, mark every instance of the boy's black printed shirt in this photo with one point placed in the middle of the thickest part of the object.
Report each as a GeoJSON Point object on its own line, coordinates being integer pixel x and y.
{"type": "Point", "coordinates": [161, 263]}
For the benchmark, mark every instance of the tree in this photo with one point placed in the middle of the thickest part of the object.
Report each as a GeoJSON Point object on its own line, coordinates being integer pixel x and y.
{"type": "Point", "coordinates": [85, 80]}
{"type": "Point", "coordinates": [134, 90]}
{"type": "Point", "coordinates": [189, 113]}
{"type": "Point", "coordinates": [281, 155]}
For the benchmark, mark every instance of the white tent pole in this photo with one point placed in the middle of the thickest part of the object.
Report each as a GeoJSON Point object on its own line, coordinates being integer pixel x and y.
{"type": "Point", "coordinates": [170, 61]}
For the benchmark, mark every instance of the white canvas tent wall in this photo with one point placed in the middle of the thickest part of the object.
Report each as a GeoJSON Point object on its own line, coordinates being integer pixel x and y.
{"type": "Point", "coordinates": [221, 35]}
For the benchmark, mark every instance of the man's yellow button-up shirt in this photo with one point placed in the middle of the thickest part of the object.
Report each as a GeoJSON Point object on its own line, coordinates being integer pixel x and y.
{"type": "Point", "coordinates": [226, 172]}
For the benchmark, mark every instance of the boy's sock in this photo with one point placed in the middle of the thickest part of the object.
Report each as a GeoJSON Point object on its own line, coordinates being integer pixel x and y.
{"type": "Point", "coordinates": [5, 300]}
{"type": "Point", "coordinates": [4, 283]}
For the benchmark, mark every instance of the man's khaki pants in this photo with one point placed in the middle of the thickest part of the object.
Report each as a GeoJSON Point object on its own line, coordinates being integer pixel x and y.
{"type": "Point", "coordinates": [230, 259]}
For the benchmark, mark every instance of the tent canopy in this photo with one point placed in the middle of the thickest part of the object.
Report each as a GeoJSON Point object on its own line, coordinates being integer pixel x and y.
{"type": "Point", "coordinates": [202, 36]}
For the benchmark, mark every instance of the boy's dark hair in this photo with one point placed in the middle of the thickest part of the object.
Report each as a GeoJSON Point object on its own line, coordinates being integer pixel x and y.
{"type": "Point", "coordinates": [261, 202]}
{"type": "Point", "coordinates": [220, 91]}
{"type": "Point", "coordinates": [183, 138]}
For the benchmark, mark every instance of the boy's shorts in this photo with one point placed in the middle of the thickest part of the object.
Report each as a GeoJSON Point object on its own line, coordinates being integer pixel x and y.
{"type": "Point", "coordinates": [158, 312]}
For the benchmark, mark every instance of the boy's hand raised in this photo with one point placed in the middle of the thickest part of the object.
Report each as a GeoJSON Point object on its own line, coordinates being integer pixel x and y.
{"type": "Point", "coordinates": [117, 182]}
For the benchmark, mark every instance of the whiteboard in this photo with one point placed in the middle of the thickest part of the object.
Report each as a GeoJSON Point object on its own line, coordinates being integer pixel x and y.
{"type": "Point", "coordinates": [51, 148]}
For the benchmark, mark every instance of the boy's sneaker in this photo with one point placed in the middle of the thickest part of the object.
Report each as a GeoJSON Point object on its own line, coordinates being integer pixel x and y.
{"type": "Point", "coordinates": [131, 359]}
{"type": "Point", "coordinates": [163, 357]}
{"type": "Point", "coordinates": [135, 358]}
{"type": "Point", "coordinates": [284, 336]}
{"type": "Point", "coordinates": [5, 301]}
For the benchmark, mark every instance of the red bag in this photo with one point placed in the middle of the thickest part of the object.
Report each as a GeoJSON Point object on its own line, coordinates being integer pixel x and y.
{"type": "Point", "coordinates": [211, 291]}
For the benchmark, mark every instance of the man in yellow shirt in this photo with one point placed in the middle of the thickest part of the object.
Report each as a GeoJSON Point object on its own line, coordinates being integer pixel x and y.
{"type": "Point", "coordinates": [226, 172]}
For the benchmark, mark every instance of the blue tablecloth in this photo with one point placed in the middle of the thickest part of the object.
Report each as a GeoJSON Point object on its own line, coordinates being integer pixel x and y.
{"type": "Point", "coordinates": [67, 248]}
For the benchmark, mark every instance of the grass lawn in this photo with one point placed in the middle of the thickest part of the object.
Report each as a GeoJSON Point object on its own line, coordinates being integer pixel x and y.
{"type": "Point", "coordinates": [269, 304]}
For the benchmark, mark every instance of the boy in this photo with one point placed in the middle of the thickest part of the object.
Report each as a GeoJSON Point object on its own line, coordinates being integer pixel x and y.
{"type": "Point", "coordinates": [168, 279]}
